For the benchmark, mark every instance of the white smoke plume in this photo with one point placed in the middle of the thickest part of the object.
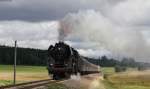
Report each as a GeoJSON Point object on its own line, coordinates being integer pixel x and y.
{"type": "Point", "coordinates": [91, 26]}
{"type": "Point", "coordinates": [76, 77]}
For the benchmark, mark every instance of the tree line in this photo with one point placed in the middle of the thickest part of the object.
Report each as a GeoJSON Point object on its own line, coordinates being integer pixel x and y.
{"type": "Point", "coordinates": [30, 56]}
{"type": "Point", "coordinates": [25, 56]}
{"type": "Point", "coordinates": [104, 61]}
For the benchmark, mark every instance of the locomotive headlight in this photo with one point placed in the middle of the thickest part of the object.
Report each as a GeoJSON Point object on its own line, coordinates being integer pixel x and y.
{"type": "Point", "coordinates": [51, 64]}
{"type": "Point", "coordinates": [59, 48]}
{"type": "Point", "coordinates": [73, 63]}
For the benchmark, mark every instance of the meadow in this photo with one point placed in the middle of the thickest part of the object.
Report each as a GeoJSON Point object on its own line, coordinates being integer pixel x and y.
{"type": "Point", "coordinates": [131, 79]}
{"type": "Point", "coordinates": [23, 74]}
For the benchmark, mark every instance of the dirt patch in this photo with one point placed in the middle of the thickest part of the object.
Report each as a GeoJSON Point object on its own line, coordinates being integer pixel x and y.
{"type": "Point", "coordinates": [92, 81]}
{"type": "Point", "coordinates": [23, 76]}
{"type": "Point", "coordinates": [6, 76]}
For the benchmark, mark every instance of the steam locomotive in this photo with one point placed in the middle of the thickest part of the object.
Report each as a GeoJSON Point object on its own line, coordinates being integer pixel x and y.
{"type": "Point", "coordinates": [64, 61]}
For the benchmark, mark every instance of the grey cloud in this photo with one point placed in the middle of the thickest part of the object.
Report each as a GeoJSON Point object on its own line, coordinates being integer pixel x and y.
{"type": "Point", "coordinates": [131, 12]}
{"type": "Point", "coordinates": [94, 53]}
{"type": "Point", "coordinates": [43, 10]}
{"type": "Point", "coordinates": [35, 35]}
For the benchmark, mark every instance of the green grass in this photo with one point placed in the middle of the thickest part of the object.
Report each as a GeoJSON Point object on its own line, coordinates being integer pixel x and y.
{"type": "Point", "coordinates": [108, 70]}
{"type": "Point", "coordinates": [110, 85]}
{"type": "Point", "coordinates": [134, 87]}
{"type": "Point", "coordinates": [24, 73]}
{"type": "Point", "coordinates": [5, 82]}
{"type": "Point", "coordinates": [20, 68]}
{"type": "Point", "coordinates": [127, 80]}
{"type": "Point", "coordinates": [57, 86]}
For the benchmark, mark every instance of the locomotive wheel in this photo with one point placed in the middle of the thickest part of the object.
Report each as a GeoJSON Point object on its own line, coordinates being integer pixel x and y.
{"type": "Point", "coordinates": [56, 77]}
{"type": "Point", "coordinates": [67, 75]}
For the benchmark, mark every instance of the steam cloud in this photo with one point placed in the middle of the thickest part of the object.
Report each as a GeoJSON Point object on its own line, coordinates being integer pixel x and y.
{"type": "Point", "coordinates": [91, 26]}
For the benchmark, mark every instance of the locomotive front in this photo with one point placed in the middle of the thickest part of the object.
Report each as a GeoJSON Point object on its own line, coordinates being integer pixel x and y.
{"type": "Point", "coordinates": [60, 60]}
{"type": "Point", "coordinates": [64, 60]}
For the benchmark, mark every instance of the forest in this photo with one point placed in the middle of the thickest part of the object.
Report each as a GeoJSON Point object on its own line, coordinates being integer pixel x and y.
{"type": "Point", "coordinates": [25, 56]}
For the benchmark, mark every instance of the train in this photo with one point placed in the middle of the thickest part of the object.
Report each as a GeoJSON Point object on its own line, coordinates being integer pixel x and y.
{"type": "Point", "coordinates": [64, 61]}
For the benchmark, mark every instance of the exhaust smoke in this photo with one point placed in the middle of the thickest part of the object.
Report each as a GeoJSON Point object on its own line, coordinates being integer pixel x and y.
{"type": "Point", "coordinates": [76, 77]}
{"type": "Point", "coordinates": [90, 26]}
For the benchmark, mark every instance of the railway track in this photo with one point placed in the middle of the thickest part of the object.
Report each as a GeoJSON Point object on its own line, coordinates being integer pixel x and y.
{"type": "Point", "coordinates": [30, 85]}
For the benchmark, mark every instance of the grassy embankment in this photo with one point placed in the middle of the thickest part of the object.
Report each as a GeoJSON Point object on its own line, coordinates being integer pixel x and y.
{"type": "Point", "coordinates": [126, 80]}
{"type": "Point", "coordinates": [24, 73]}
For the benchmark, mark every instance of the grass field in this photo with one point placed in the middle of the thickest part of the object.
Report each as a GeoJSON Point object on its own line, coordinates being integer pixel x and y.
{"type": "Point", "coordinates": [131, 79]}
{"type": "Point", "coordinates": [108, 70]}
{"type": "Point", "coordinates": [24, 73]}
{"type": "Point", "coordinates": [127, 80]}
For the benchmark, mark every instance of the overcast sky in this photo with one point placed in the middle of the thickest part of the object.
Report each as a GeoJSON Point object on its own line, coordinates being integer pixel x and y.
{"type": "Point", "coordinates": [93, 25]}
{"type": "Point", "coordinates": [45, 10]}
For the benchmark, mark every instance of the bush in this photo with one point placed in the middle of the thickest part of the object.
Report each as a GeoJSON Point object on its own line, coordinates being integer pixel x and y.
{"type": "Point", "coordinates": [120, 69]}
{"type": "Point", "coordinates": [141, 68]}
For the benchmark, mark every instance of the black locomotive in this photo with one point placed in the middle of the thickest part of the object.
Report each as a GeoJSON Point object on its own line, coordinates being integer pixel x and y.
{"type": "Point", "coordinates": [64, 61]}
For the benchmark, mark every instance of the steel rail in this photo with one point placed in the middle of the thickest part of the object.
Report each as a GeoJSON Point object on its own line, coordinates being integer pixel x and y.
{"type": "Point", "coordinates": [30, 85]}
